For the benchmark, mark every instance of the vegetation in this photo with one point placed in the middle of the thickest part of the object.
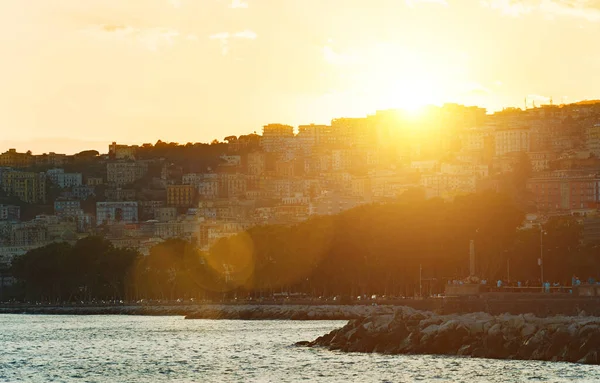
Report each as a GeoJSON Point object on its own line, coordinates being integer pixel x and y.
{"type": "Point", "coordinates": [374, 249]}
{"type": "Point", "coordinates": [192, 157]}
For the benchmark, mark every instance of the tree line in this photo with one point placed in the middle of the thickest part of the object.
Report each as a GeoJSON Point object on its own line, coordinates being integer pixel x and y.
{"type": "Point", "coordinates": [374, 249]}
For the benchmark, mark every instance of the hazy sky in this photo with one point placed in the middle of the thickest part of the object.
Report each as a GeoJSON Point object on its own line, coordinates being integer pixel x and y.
{"type": "Point", "coordinates": [76, 74]}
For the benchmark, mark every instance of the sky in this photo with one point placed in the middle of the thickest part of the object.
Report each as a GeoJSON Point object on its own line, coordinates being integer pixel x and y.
{"type": "Point", "coordinates": [78, 74]}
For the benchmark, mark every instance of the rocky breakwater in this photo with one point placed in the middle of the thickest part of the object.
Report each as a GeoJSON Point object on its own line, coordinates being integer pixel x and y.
{"type": "Point", "coordinates": [291, 312]}
{"type": "Point", "coordinates": [525, 337]}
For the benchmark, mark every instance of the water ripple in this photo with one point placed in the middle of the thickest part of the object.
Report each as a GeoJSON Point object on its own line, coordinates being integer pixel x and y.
{"type": "Point", "coordinates": [160, 349]}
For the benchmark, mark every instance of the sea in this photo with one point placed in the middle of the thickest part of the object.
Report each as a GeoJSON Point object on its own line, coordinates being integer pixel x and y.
{"type": "Point", "coordinates": [47, 348]}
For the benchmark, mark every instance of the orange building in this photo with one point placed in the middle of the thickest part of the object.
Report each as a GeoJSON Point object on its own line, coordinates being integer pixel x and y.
{"type": "Point", "coordinates": [181, 195]}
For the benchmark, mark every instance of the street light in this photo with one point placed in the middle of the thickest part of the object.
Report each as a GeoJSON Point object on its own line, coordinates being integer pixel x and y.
{"type": "Point", "coordinates": [531, 218]}
{"type": "Point", "coordinates": [542, 233]}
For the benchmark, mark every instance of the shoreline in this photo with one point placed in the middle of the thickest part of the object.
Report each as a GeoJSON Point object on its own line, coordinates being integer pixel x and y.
{"type": "Point", "coordinates": [215, 311]}
{"type": "Point", "coordinates": [540, 306]}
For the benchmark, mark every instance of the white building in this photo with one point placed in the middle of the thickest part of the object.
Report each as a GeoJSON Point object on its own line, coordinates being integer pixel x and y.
{"type": "Point", "coordinates": [512, 140]}
{"type": "Point", "coordinates": [276, 136]}
{"type": "Point", "coordinates": [111, 212]}
{"type": "Point", "coordinates": [64, 180]}
{"type": "Point", "coordinates": [67, 208]}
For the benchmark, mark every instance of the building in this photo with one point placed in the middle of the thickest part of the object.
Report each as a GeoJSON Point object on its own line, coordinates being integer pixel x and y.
{"type": "Point", "coordinates": [13, 159]}
{"type": "Point", "coordinates": [28, 234]}
{"type": "Point", "coordinates": [165, 214]}
{"type": "Point", "coordinates": [256, 163]}
{"type": "Point", "coordinates": [313, 135]}
{"type": "Point", "coordinates": [555, 192]}
{"type": "Point", "coordinates": [192, 179]}
{"type": "Point", "coordinates": [226, 160]}
{"type": "Point", "coordinates": [147, 209]}
{"type": "Point", "coordinates": [449, 185]}
{"type": "Point", "coordinates": [64, 180]}
{"type": "Point", "coordinates": [10, 213]}
{"type": "Point", "coordinates": [540, 161]}
{"type": "Point", "coordinates": [331, 203]}
{"type": "Point", "coordinates": [512, 140]}
{"type": "Point", "coordinates": [51, 159]}
{"type": "Point", "coordinates": [113, 212]}
{"type": "Point", "coordinates": [118, 194]}
{"type": "Point", "coordinates": [275, 137]}
{"type": "Point", "coordinates": [67, 208]}
{"type": "Point", "coordinates": [591, 230]}
{"type": "Point", "coordinates": [181, 195]}
{"type": "Point", "coordinates": [94, 181]}
{"type": "Point", "coordinates": [125, 173]}
{"type": "Point", "coordinates": [208, 189]}
{"type": "Point", "coordinates": [122, 151]}
{"type": "Point", "coordinates": [592, 139]}
{"type": "Point", "coordinates": [27, 186]}
{"type": "Point", "coordinates": [82, 192]}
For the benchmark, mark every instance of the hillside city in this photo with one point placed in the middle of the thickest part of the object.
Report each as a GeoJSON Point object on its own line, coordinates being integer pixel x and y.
{"type": "Point", "coordinates": [547, 158]}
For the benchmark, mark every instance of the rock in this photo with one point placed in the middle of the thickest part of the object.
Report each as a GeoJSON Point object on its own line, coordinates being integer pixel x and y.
{"type": "Point", "coordinates": [587, 330]}
{"type": "Point", "coordinates": [431, 329]}
{"type": "Point", "coordinates": [528, 330]}
{"type": "Point", "coordinates": [495, 330]}
{"type": "Point", "coordinates": [464, 350]}
{"type": "Point", "coordinates": [425, 323]}
{"type": "Point", "coordinates": [507, 336]}
{"type": "Point", "coordinates": [590, 358]}
{"type": "Point", "coordinates": [476, 327]}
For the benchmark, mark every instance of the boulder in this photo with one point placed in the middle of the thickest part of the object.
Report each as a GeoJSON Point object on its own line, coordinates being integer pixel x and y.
{"type": "Point", "coordinates": [528, 330]}
{"type": "Point", "coordinates": [477, 335]}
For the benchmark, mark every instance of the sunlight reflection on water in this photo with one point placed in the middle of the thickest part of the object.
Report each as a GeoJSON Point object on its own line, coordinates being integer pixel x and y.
{"type": "Point", "coordinates": [154, 349]}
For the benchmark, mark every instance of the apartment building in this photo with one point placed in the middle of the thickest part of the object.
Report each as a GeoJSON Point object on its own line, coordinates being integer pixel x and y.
{"type": "Point", "coordinates": [559, 191]}
{"type": "Point", "coordinates": [512, 140]}
{"type": "Point", "coordinates": [181, 195]}
{"type": "Point", "coordinates": [125, 173]}
{"type": "Point", "coordinates": [275, 137]}
{"type": "Point", "coordinates": [67, 208]}
{"type": "Point", "coordinates": [10, 213]}
{"type": "Point", "coordinates": [256, 163]}
{"type": "Point", "coordinates": [64, 180]}
{"type": "Point", "coordinates": [13, 159]}
{"type": "Point", "coordinates": [27, 186]}
{"type": "Point", "coordinates": [113, 212]}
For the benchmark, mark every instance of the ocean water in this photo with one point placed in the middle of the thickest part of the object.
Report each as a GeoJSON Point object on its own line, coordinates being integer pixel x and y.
{"type": "Point", "coordinates": [36, 348]}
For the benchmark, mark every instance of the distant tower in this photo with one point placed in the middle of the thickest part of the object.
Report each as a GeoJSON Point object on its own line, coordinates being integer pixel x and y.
{"type": "Point", "coordinates": [525, 102]}
{"type": "Point", "coordinates": [551, 101]}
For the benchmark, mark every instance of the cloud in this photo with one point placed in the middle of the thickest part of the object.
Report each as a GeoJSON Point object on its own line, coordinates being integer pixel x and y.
{"type": "Point", "coordinates": [587, 9]}
{"type": "Point", "coordinates": [236, 4]}
{"type": "Point", "coordinates": [225, 37]}
{"type": "Point", "coordinates": [150, 38]}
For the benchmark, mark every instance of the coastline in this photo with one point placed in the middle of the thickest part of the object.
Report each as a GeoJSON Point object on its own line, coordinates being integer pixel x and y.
{"type": "Point", "coordinates": [538, 305]}
{"type": "Point", "coordinates": [214, 311]}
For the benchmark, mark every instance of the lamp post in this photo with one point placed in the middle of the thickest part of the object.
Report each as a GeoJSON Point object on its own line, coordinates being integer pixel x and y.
{"type": "Point", "coordinates": [531, 218]}
{"type": "Point", "coordinates": [542, 256]}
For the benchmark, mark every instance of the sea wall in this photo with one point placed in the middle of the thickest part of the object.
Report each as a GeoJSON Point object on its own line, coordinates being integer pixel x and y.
{"type": "Point", "coordinates": [539, 304]}
{"type": "Point", "coordinates": [212, 311]}
{"type": "Point", "coordinates": [507, 336]}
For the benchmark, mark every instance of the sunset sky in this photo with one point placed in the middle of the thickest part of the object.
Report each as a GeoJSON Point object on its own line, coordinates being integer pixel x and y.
{"type": "Point", "coordinates": [76, 74]}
